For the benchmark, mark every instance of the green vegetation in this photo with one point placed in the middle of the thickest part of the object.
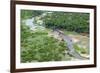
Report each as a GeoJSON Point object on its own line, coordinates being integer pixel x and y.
{"type": "Point", "coordinates": [70, 21]}
{"type": "Point", "coordinates": [81, 50]}
{"type": "Point", "coordinates": [25, 14]}
{"type": "Point", "coordinates": [37, 46]}
{"type": "Point", "coordinates": [78, 22]}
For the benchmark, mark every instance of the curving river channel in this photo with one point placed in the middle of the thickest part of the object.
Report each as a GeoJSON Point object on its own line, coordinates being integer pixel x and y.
{"type": "Point", "coordinates": [31, 23]}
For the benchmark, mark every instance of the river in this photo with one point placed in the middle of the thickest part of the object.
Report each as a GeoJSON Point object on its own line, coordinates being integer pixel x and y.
{"type": "Point", "coordinates": [31, 23]}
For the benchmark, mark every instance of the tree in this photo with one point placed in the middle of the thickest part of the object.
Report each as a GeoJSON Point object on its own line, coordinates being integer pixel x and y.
{"type": "Point", "coordinates": [30, 13]}
{"type": "Point", "coordinates": [69, 21]}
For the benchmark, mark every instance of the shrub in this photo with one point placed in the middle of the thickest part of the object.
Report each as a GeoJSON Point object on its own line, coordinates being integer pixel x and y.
{"type": "Point", "coordinates": [38, 47]}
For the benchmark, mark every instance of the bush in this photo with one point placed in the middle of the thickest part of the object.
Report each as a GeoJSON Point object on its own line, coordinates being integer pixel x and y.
{"type": "Point", "coordinates": [38, 47]}
{"type": "Point", "coordinates": [30, 13]}
{"type": "Point", "coordinates": [78, 22]}
{"type": "Point", "coordinates": [81, 50]}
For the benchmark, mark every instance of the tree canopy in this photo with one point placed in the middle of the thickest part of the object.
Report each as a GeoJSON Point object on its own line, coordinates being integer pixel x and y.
{"type": "Point", "coordinates": [78, 22]}
{"type": "Point", "coordinates": [70, 21]}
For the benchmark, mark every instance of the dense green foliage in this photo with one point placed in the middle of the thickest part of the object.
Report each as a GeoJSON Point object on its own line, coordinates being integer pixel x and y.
{"type": "Point", "coordinates": [71, 21]}
{"type": "Point", "coordinates": [37, 46]}
{"type": "Point", "coordinates": [78, 22]}
{"type": "Point", "coordinates": [29, 13]}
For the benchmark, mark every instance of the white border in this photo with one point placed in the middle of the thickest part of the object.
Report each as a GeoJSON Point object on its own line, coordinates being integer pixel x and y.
{"type": "Point", "coordinates": [58, 63]}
